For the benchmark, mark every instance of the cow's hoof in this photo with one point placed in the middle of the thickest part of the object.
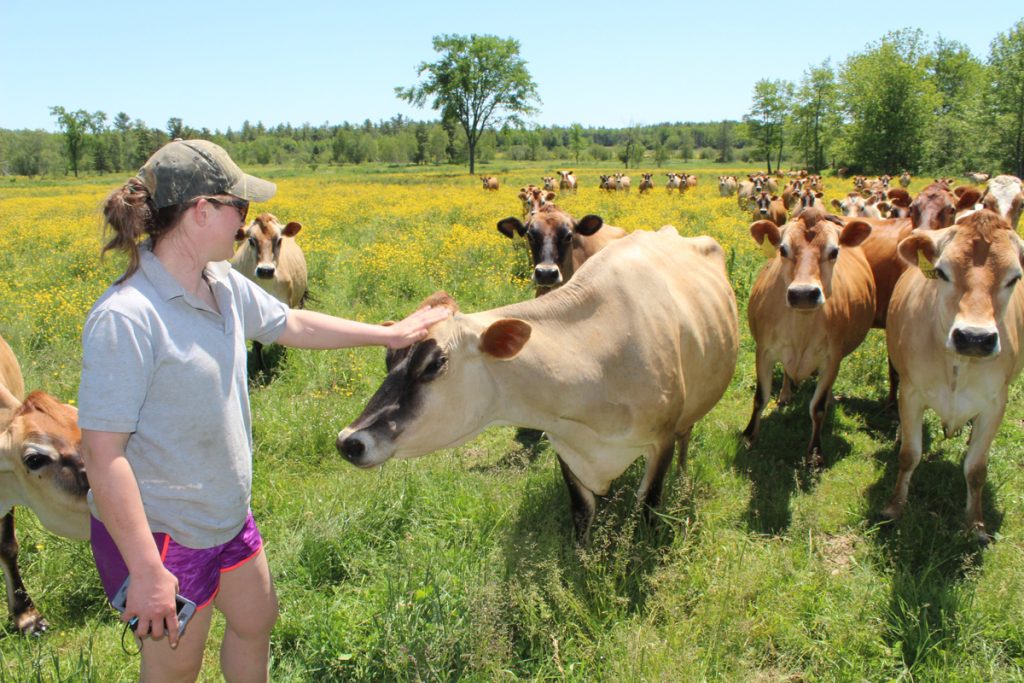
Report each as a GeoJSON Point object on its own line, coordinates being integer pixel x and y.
{"type": "Point", "coordinates": [983, 538]}
{"type": "Point", "coordinates": [815, 462]}
{"type": "Point", "coordinates": [31, 623]}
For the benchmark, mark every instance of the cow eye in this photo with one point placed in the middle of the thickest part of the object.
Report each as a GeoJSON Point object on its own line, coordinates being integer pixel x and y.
{"type": "Point", "coordinates": [784, 251]}
{"type": "Point", "coordinates": [942, 274]}
{"type": "Point", "coordinates": [833, 253]}
{"type": "Point", "coordinates": [252, 241]}
{"type": "Point", "coordinates": [1013, 281]}
{"type": "Point", "coordinates": [35, 460]}
{"type": "Point", "coordinates": [566, 236]}
{"type": "Point", "coordinates": [434, 368]}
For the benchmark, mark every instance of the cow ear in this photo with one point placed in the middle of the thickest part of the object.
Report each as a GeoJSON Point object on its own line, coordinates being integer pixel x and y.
{"type": "Point", "coordinates": [968, 198]}
{"type": "Point", "coordinates": [550, 196]}
{"type": "Point", "coordinates": [589, 224]}
{"type": "Point", "coordinates": [505, 338]}
{"type": "Point", "coordinates": [762, 230]}
{"type": "Point", "coordinates": [920, 249]}
{"type": "Point", "coordinates": [835, 203]}
{"type": "Point", "coordinates": [510, 226]}
{"type": "Point", "coordinates": [240, 235]}
{"type": "Point", "coordinates": [854, 233]}
{"type": "Point", "coordinates": [292, 229]}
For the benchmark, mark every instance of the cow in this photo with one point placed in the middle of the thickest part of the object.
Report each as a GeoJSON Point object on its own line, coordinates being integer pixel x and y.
{"type": "Point", "coordinates": [608, 183]}
{"type": "Point", "coordinates": [1005, 196]}
{"type": "Point", "coordinates": [744, 193]}
{"type": "Point", "coordinates": [956, 320]}
{"type": "Point", "coordinates": [41, 468]}
{"type": "Point", "coordinates": [977, 178]}
{"type": "Point", "coordinates": [559, 244]}
{"type": "Point", "coordinates": [646, 184]}
{"type": "Point", "coordinates": [619, 363]}
{"type": "Point", "coordinates": [549, 183]}
{"type": "Point", "coordinates": [689, 180]}
{"type": "Point", "coordinates": [811, 305]}
{"type": "Point", "coordinates": [727, 185]}
{"type": "Point", "coordinates": [675, 181]}
{"type": "Point", "coordinates": [807, 199]}
{"type": "Point", "coordinates": [622, 182]}
{"type": "Point", "coordinates": [268, 255]}
{"type": "Point", "coordinates": [769, 207]}
{"type": "Point", "coordinates": [854, 205]}
{"type": "Point", "coordinates": [532, 196]}
{"type": "Point", "coordinates": [567, 180]}
{"type": "Point", "coordinates": [490, 182]}
{"type": "Point", "coordinates": [905, 179]}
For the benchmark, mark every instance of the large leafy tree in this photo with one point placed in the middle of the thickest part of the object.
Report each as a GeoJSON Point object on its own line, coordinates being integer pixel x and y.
{"type": "Point", "coordinates": [955, 135]}
{"type": "Point", "coordinates": [75, 125]}
{"type": "Point", "coordinates": [767, 118]}
{"type": "Point", "coordinates": [815, 115]}
{"type": "Point", "coordinates": [478, 81]}
{"type": "Point", "coordinates": [1006, 95]}
{"type": "Point", "coordinates": [888, 100]}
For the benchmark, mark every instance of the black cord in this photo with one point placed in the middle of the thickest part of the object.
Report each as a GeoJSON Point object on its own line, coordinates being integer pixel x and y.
{"type": "Point", "coordinates": [131, 625]}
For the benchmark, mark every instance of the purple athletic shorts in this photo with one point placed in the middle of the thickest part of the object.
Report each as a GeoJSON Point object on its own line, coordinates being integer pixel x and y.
{"type": "Point", "coordinates": [197, 570]}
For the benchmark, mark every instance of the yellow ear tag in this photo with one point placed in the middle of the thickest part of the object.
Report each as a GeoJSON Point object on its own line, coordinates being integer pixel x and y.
{"type": "Point", "coordinates": [926, 267]}
{"type": "Point", "coordinates": [768, 248]}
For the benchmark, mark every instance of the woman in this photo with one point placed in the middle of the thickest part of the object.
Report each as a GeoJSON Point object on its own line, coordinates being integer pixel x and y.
{"type": "Point", "coordinates": [164, 409]}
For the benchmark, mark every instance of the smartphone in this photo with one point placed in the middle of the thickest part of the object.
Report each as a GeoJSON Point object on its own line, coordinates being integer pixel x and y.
{"type": "Point", "coordinates": [185, 607]}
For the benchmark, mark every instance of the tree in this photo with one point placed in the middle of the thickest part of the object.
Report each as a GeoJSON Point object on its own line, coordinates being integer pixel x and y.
{"type": "Point", "coordinates": [725, 142]}
{"type": "Point", "coordinates": [1006, 95]}
{"type": "Point", "coordinates": [480, 80]}
{"type": "Point", "coordinates": [767, 118]}
{"type": "Point", "coordinates": [888, 100]}
{"type": "Point", "coordinates": [815, 115]}
{"type": "Point", "coordinates": [956, 134]}
{"type": "Point", "coordinates": [74, 125]}
{"type": "Point", "coordinates": [578, 142]}
{"type": "Point", "coordinates": [175, 128]}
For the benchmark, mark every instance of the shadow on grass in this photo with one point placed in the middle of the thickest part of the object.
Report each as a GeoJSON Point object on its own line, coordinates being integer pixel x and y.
{"type": "Point", "coordinates": [776, 465]}
{"type": "Point", "coordinates": [930, 553]}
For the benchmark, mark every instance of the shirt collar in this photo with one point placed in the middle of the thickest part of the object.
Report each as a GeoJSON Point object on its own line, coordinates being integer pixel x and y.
{"type": "Point", "coordinates": [164, 283]}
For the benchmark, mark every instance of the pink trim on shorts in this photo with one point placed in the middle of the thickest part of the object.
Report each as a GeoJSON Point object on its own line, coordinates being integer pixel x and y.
{"type": "Point", "coordinates": [238, 564]}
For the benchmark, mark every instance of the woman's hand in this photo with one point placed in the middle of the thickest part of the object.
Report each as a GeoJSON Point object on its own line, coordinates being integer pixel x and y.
{"type": "Point", "coordinates": [151, 599]}
{"type": "Point", "coordinates": [414, 328]}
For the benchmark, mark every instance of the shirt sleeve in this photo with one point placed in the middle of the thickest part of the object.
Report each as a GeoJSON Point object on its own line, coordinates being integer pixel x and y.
{"type": "Point", "coordinates": [263, 316]}
{"type": "Point", "coordinates": [117, 367]}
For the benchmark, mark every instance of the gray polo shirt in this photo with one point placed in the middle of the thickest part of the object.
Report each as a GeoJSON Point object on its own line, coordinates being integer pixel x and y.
{"type": "Point", "coordinates": [162, 366]}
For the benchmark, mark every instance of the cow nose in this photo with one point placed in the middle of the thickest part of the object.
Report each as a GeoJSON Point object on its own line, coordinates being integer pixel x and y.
{"type": "Point", "coordinates": [547, 275]}
{"type": "Point", "coordinates": [975, 341]}
{"type": "Point", "coordinates": [804, 296]}
{"type": "Point", "coordinates": [352, 449]}
{"type": "Point", "coordinates": [265, 272]}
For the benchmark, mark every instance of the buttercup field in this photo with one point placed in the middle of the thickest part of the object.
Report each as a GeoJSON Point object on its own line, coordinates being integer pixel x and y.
{"type": "Point", "coordinates": [462, 565]}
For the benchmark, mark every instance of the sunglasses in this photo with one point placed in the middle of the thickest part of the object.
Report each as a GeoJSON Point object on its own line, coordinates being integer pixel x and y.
{"type": "Point", "coordinates": [240, 204]}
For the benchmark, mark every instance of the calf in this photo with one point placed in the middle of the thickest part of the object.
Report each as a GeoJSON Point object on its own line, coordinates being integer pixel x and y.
{"type": "Point", "coordinates": [954, 334]}
{"type": "Point", "coordinates": [810, 306]}
{"type": "Point", "coordinates": [41, 468]}
{"type": "Point", "coordinates": [567, 180]}
{"type": "Point", "coordinates": [490, 182]}
{"type": "Point", "coordinates": [1005, 196]}
{"type": "Point", "coordinates": [620, 363]}
{"type": "Point", "coordinates": [559, 244]}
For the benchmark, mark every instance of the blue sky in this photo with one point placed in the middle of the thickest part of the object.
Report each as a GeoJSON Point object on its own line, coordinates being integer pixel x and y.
{"type": "Point", "coordinates": [218, 63]}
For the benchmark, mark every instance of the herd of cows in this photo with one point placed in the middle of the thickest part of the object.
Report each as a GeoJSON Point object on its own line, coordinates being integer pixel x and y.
{"type": "Point", "coordinates": [649, 321]}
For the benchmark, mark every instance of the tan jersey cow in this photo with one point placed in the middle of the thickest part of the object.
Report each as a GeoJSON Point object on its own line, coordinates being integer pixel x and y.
{"type": "Point", "coordinates": [810, 306]}
{"type": "Point", "coordinates": [489, 182]}
{"type": "Point", "coordinates": [616, 365]}
{"type": "Point", "coordinates": [41, 468]}
{"type": "Point", "coordinates": [646, 183]}
{"type": "Point", "coordinates": [727, 185]}
{"type": "Point", "coordinates": [559, 244]}
{"type": "Point", "coordinates": [1005, 196]}
{"type": "Point", "coordinates": [567, 181]}
{"type": "Point", "coordinates": [955, 338]}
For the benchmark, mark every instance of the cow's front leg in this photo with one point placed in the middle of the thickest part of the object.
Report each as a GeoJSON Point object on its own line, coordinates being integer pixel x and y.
{"type": "Point", "coordinates": [983, 431]}
{"type": "Point", "coordinates": [26, 617]}
{"type": "Point", "coordinates": [911, 437]}
{"type": "Point", "coordinates": [653, 482]}
{"type": "Point", "coordinates": [582, 501]}
{"type": "Point", "coordinates": [818, 410]}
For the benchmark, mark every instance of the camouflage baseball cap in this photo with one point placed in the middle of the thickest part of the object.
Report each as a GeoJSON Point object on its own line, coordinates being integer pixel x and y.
{"type": "Point", "coordinates": [185, 169]}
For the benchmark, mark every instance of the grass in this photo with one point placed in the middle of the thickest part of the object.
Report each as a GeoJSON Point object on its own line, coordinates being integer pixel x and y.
{"type": "Point", "coordinates": [461, 565]}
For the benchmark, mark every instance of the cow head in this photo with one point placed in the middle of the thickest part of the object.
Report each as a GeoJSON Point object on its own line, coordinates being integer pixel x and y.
{"type": "Point", "coordinates": [549, 232]}
{"type": "Point", "coordinates": [262, 238]}
{"type": "Point", "coordinates": [761, 203]}
{"type": "Point", "coordinates": [934, 208]}
{"type": "Point", "coordinates": [808, 249]}
{"type": "Point", "coordinates": [426, 402]}
{"type": "Point", "coordinates": [40, 447]}
{"type": "Point", "coordinates": [851, 205]}
{"type": "Point", "coordinates": [1005, 196]}
{"type": "Point", "coordinates": [977, 264]}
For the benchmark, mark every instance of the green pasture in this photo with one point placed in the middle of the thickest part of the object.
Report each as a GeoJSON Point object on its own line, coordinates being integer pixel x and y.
{"type": "Point", "coordinates": [461, 565]}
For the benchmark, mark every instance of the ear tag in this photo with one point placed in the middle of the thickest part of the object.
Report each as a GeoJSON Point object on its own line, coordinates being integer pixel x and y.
{"type": "Point", "coordinates": [768, 248]}
{"type": "Point", "coordinates": [926, 267]}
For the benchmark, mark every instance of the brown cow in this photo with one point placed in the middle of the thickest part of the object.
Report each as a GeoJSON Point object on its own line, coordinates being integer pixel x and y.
{"type": "Point", "coordinates": [954, 334]}
{"type": "Point", "coordinates": [490, 182]}
{"type": "Point", "coordinates": [810, 306]}
{"type": "Point", "coordinates": [559, 244]}
{"type": "Point", "coordinates": [618, 364]}
{"type": "Point", "coordinates": [646, 184]}
{"type": "Point", "coordinates": [567, 180]}
{"type": "Point", "coordinates": [41, 468]}
{"type": "Point", "coordinates": [549, 183]}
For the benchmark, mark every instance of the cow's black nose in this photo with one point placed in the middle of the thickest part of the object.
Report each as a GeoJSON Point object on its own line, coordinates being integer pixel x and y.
{"type": "Point", "coordinates": [807, 296]}
{"type": "Point", "coordinates": [265, 272]}
{"type": "Point", "coordinates": [352, 449]}
{"type": "Point", "coordinates": [546, 275]}
{"type": "Point", "coordinates": [972, 341]}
